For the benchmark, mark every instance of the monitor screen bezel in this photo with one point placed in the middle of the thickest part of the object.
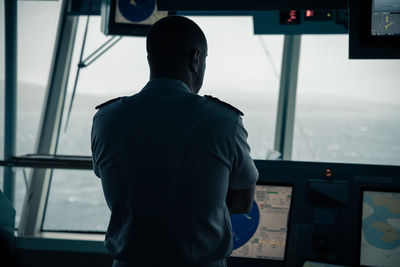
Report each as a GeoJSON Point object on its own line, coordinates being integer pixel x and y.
{"type": "Point", "coordinates": [283, 184]}
{"type": "Point", "coordinates": [369, 189]}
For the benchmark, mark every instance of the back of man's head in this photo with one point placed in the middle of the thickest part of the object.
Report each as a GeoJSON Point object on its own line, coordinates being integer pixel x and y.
{"type": "Point", "coordinates": [170, 42]}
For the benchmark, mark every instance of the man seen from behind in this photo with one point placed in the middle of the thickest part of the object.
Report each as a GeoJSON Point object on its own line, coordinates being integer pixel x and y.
{"type": "Point", "coordinates": [173, 165]}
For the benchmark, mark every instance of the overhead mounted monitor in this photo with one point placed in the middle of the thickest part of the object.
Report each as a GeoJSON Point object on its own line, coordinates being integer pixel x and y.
{"type": "Point", "coordinates": [380, 229]}
{"type": "Point", "coordinates": [385, 18]}
{"type": "Point", "coordinates": [262, 233]}
{"type": "Point", "coordinates": [129, 17]}
{"type": "Point", "coordinates": [374, 29]}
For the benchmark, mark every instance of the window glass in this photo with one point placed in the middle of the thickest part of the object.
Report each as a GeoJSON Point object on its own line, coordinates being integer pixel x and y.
{"type": "Point", "coordinates": [76, 202]}
{"type": "Point", "coordinates": [242, 69]}
{"type": "Point", "coordinates": [37, 27]}
{"type": "Point", "coordinates": [347, 110]}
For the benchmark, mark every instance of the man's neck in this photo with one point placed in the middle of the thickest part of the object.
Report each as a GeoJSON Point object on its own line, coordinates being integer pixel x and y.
{"type": "Point", "coordinates": [174, 77]}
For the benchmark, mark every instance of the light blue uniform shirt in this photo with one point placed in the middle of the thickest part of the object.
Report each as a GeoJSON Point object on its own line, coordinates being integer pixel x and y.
{"type": "Point", "coordinates": [166, 158]}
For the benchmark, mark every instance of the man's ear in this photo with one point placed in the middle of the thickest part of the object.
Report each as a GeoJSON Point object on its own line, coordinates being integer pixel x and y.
{"type": "Point", "coordinates": [195, 64]}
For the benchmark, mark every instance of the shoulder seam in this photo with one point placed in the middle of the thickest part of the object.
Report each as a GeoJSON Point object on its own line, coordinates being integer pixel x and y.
{"type": "Point", "coordinates": [107, 103]}
{"type": "Point", "coordinates": [225, 104]}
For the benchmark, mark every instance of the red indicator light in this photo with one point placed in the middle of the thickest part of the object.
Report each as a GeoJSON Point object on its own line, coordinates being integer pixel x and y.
{"type": "Point", "coordinates": [289, 17]}
{"type": "Point", "coordinates": [328, 173]}
{"type": "Point", "coordinates": [318, 15]}
{"type": "Point", "coordinates": [292, 15]}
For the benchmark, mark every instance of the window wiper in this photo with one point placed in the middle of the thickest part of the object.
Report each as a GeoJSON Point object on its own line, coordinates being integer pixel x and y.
{"type": "Point", "coordinates": [83, 63]}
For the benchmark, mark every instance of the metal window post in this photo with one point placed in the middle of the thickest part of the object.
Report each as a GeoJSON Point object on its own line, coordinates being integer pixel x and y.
{"type": "Point", "coordinates": [10, 99]}
{"type": "Point", "coordinates": [287, 96]}
{"type": "Point", "coordinates": [49, 129]}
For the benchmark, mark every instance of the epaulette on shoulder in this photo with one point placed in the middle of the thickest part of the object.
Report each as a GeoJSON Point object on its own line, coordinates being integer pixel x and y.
{"type": "Point", "coordinates": [225, 104]}
{"type": "Point", "coordinates": [107, 103]}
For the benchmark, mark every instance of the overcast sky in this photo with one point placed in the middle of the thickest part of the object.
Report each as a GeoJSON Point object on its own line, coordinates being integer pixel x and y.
{"type": "Point", "coordinates": [236, 61]}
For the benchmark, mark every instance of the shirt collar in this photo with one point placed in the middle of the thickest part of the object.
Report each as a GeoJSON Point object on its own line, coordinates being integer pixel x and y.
{"type": "Point", "coordinates": [170, 84]}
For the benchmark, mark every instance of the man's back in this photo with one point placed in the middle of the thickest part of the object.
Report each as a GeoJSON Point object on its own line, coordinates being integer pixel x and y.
{"type": "Point", "coordinates": [166, 158]}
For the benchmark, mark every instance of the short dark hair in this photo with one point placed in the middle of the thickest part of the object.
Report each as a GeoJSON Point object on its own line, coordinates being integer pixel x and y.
{"type": "Point", "coordinates": [172, 38]}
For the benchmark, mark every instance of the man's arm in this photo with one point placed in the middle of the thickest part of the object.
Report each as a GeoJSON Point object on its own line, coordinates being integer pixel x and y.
{"type": "Point", "coordinates": [93, 149]}
{"type": "Point", "coordinates": [240, 201]}
{"type": "Point", "coordinates": [244, 175]}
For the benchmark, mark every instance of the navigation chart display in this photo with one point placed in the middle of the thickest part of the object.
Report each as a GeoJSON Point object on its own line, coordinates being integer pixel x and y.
{"type": "Point", "coordinates": [262, 232]}
{"type": "Point", "coordinates": [385, 18]}
{"type": "Point", "coordinates": [380, 233]}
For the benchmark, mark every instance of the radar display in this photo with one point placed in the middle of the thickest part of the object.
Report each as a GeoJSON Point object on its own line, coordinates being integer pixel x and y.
{"type": "Point", "coordinates": [262, 232]}
{"type": "Point", "coordinates": [380, 236]}
{"type": "Point", "coordinates": [385, 17]}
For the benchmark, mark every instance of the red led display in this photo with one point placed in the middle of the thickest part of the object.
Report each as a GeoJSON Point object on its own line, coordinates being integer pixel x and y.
{"type": "Point", "coordinates": [290, 17]}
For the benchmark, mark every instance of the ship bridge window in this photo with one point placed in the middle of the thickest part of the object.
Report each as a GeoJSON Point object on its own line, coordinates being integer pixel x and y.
{"type": "Point", "coordinates": [242, 69]}
{"type": "Point", "coordinates": [346, 110]}
{"type": "Point", "coordinates": [76, 203]}
{"type": "Point", "coordinates": [37, 28]}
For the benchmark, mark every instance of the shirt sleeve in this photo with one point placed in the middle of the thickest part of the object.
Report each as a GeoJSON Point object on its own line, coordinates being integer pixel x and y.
{"type": "Point", "coordinates": [244, 173]}
{"type": "Point", "coordinates": [95, 169]}
{"type": "Point", "coordinates": [93, 147]}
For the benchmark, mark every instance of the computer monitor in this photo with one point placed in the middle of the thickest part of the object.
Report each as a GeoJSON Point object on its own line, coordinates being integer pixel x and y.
{"type": "Point", "coordinates": [385, 17]}
{"type": "Point", "coordinates": [125, 17]}
{"type": "Point", "coordinates": [380, 228]}
{"type": "Point", "coordinates": [374, 29]}
{"type": "Point", "coordinates": [262, 233]}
